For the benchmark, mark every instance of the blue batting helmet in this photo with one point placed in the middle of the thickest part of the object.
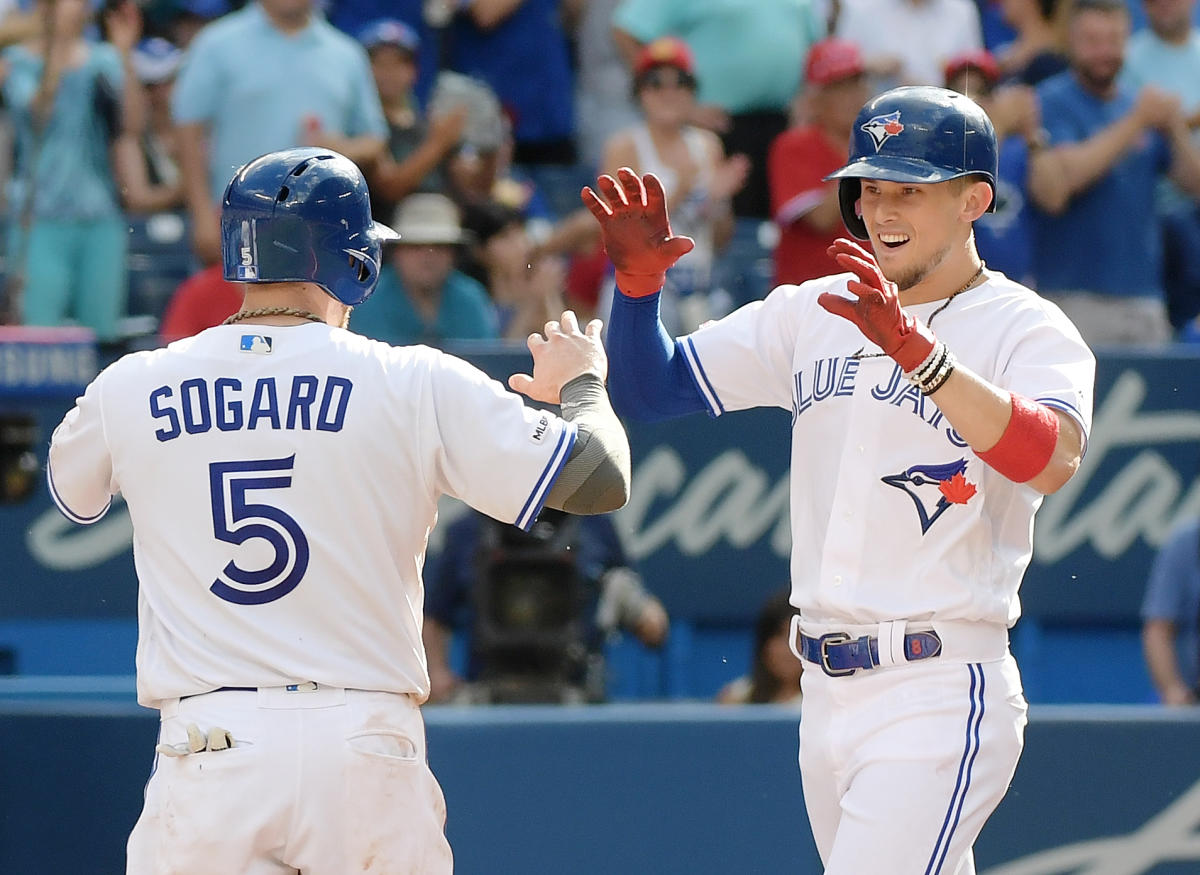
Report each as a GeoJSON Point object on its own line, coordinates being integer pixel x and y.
{"type": "Point", "coordinates": [302, 215]}
{"type": "Point", "coordinates": [917, 133]}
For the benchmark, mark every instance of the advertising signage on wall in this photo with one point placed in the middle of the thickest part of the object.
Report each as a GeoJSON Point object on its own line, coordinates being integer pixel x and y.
{"type": "Point", "coordinates": [707, 522]}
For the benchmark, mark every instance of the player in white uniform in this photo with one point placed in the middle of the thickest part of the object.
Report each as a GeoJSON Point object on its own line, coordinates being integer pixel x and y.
{"type": "Point", "coordinates": [933, 404]}
{"type": "Point", "coordinates": [282, 475]}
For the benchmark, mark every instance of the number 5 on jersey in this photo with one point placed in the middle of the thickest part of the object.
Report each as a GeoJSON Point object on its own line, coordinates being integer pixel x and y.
{"type": "Point", "coordinates": [236, 520]}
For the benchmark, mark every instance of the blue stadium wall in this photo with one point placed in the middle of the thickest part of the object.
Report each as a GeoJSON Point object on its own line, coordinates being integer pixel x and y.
{"type": "Point", "coordinates": [707, 526]}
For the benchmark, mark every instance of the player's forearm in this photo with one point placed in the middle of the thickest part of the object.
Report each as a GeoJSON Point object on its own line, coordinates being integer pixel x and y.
{"type": "Point", "coordinates": [596, 477]}
{"type": "Point", "coordinates": [981, 413]}
{"type": "Point", "coordinates": [648, 377]}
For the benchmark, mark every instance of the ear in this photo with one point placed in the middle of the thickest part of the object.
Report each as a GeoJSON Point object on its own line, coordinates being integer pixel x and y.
{"type": "Point", "coordinates": [976, 198]}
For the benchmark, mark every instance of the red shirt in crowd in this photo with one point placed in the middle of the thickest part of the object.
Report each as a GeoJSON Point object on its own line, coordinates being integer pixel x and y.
{"type": "Point", "coordinates": [202, 300]}
{"type": "Point", "coordinates": [797, 162]}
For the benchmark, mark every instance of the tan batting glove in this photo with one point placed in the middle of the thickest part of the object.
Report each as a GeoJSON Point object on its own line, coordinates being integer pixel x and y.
{"type": "Point", "coordinates": [198, 742]}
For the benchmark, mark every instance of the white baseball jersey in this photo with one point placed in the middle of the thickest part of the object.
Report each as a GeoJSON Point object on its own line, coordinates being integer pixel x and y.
{"type": "Point", "coordinates": [282, 482]}
{"type": "Point", "coordinates": [892, 514]}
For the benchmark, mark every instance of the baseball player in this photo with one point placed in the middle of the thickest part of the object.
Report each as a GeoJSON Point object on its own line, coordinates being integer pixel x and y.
{"type": "Point", "coordinates": [282, 474]}
{"type": "Point", "coordinates": [933, 404]}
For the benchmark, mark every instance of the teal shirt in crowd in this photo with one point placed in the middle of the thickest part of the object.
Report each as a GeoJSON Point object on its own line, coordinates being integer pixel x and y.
{"type": "Point", "coordinates": [74, 178]}
{"type": "Point", "coordinates": [466, 313]}
{"type": "Point", "coordinates": [254, 86]}
{"type": "Point", "coordinates": [749, 53]}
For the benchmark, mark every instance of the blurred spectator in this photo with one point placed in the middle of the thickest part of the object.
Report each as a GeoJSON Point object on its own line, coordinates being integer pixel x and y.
{"type": "Point", "coordinates": [1004, 237]}
{"type": "Point", "coordinates": [1097, 244]}
{"type": "Point", "coordinates": [603, 85]}
{"type": "Point", "coordinates": [749, 55]}
{"type": "Point", "coordinates": [354, 16]}
{"type": "Point", "coordinates": [65, 95]}
{"type": "Point", "coordinates": [202, 300]}
{"type": "Point", "coordinates": [1036, 53]}
{"type": "Point", "coordinates": [1169, 616]}
{"type": "Point", "coordinates": [187, 18]}
{"type": "Point", "coordinates": [1167, 54]}
{"type": "Point", "coordinates": [907, 42]}
{"type": "Point", "coordinates": [690, 161]}
{"type": "Point", "coordinates": [536, 608]}
{"type": "Point", "coordinates": [269, 76]}
{"type": "Point", "coordinates": [481, 169]}
{"type": "Point", "coordinates": [775, 671]}
{"type": "Point", "coordinates": [421, 298]}
{"type": "Point", "coordinates": [526, 287]}
{"type": "Point", "coordinates": [805, 207]}
{"type": "Point", "coordinates": [146, 153]}
{"type": "Point", "coordinates": [519, 48]}
{"type": "Point", "coordinates": [416, 150]}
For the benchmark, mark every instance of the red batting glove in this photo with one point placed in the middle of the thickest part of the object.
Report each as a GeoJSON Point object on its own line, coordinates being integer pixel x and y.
{"type": "Point", "coordinates": [876, 309]}
{"type": "Point", "coordinates": [636, 231]}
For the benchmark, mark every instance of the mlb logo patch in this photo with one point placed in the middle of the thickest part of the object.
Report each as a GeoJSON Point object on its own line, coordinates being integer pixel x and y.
{"type": "Point", "coordinates": [247, 272]}
{"type": "Point", "coordinates": [258, 343]}
{"type": "Point", "coordinates": [538, 433]}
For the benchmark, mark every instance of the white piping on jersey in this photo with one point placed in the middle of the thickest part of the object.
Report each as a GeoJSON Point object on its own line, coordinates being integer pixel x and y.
{"type": "Point", "coordinates": [702, 383]}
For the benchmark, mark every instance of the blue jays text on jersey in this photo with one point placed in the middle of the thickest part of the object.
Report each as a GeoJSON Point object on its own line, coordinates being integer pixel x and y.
{"type": "Point", "coordinates": [198, 405]}
{"type": "Point", "coordinates": [836, 376]}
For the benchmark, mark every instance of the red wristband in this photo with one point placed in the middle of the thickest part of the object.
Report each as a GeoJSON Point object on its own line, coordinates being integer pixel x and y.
{"type": "Point", "coordinates": [1027, 445]}
{"type": "Point", "coordinates": [639, 285]}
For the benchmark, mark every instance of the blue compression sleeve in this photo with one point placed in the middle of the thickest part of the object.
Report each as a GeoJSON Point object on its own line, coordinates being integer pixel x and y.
{"type": "Point", "coordinates": [648, 378]}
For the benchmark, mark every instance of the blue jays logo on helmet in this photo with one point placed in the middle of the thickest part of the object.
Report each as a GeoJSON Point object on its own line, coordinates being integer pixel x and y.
{"type": "Point", "coordinates": [881, 128]}
{"type": "Point", "coordinates": [944, 135]}
{"type": "Point", "coordinates": [934, 488]}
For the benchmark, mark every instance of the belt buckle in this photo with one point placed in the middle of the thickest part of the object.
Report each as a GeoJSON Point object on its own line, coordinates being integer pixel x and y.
{"type": "Point", "coordinates": [823, 642]}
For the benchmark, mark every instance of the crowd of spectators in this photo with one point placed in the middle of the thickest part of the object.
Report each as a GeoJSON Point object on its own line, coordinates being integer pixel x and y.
{"type": "Point", "coordinates": [477, 121]}
{"type": "Point", "coordinates": [123, 111]}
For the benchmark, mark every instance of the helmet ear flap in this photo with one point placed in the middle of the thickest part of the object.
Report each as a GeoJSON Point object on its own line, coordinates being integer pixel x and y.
{"type": "Point", "coordinates": [849, 191]}
{"type": "Point", "coordinates": [359, 283]}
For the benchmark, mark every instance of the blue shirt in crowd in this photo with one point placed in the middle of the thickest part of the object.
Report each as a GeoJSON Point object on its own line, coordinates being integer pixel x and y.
{"type": "Point", "coordinates": [254, 86]}
{"type": "Point", "coordinates": [1173, 594]}
{"type": "Point", "coordinates": [1107, 240]}
{"type": "Point", "coordinates": [525, 61]}
{"type": "Point", "coordinates": [1004, 238]}
{"type": "Point", "coordinates": [465, 313]}
{"type": "Point", "coordinates": [74, 178]}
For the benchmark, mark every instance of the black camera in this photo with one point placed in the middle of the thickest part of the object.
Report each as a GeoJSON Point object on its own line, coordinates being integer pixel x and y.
{"type": "Point", "coordinates": [19, 466]}
{"type": "Point", "coordinates": [530, 634]}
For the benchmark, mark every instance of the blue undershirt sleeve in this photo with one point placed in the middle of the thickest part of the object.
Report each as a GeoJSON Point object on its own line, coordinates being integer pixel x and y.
{"type": "Point", "coordinates": [648, 377]}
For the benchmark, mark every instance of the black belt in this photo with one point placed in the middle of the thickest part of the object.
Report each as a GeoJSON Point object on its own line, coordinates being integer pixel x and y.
{"type": "Point", "coordinates": [838, 654]}
{"type": "Point", "coordinates": [221, 690]}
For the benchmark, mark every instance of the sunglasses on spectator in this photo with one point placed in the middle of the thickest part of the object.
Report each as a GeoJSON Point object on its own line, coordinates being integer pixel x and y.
{"type": "Point", "coordinates": [666, 77]}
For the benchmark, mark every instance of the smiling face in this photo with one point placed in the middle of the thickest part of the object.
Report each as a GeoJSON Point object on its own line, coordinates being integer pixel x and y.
{"type": "Point", "coordinates": [915, 228]}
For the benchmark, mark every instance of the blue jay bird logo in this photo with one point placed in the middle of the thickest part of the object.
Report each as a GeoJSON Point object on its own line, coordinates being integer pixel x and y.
{"type": "Point", "coordinates": [882, 128]}
{"type": "Point", "coordinates": [933, 488]}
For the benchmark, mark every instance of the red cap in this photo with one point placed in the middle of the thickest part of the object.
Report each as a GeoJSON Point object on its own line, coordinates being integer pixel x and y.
{"type": "Point", "coordinates": [666, 51]}
{"type": "Point", "coordinates": [980, 59]}
{"type": "Point", "coordinates": [832, 60]}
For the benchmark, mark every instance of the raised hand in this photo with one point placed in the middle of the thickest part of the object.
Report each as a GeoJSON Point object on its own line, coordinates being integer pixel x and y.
{"type": "Point", "coordinates": [559, 356]}
{"type": "Point", "coordinates": [636, 230]}
{"type": "Point", "coordinates": [876, 308]}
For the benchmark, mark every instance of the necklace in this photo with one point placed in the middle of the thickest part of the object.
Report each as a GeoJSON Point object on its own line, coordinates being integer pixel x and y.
{"type": "Point", "coordinates": [974, 279]}
{"type": "Point", "coordinates": [242, 315]}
